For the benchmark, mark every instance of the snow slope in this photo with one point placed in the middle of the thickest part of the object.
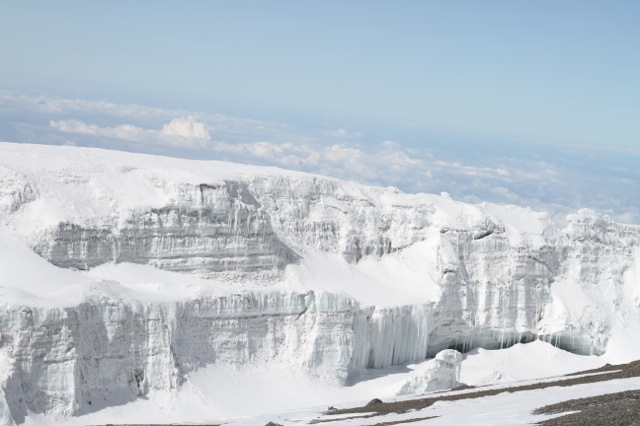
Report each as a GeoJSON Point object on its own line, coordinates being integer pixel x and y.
{"type": "Point", "coordinates": [253, 395]}
{"type": "Point", "coordinates": [123, 275]}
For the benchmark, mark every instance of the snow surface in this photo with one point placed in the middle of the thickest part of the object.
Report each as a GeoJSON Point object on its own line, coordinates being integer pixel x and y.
{"type": "Point", "coordinates": [132, 286]}
{"type": "Point", "coordinates": [529, 361]}
{"type": "Point", "coordinates": [252, 395]}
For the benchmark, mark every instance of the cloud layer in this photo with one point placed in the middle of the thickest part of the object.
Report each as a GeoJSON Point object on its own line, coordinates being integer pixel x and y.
{"type": "Point", "coordinates": [185, 132]}
{"type": "Point", "coordinates": [554, 179]}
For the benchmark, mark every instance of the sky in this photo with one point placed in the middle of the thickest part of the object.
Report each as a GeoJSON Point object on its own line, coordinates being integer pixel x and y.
{"type": "Point", "coordinates": [531, 102]}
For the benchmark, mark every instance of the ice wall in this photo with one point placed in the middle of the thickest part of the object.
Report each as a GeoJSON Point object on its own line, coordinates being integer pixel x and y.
{"type": "Point", "coordinates": [503, 275]}
{"type": "Point", "coordinates": [203, 228]}
{"type": "Point", "coordinates": [338, 217]}
{"type": "Point", "coordinates": [63, 361]}
{"type": "Point", "coordinates": [500, 269]}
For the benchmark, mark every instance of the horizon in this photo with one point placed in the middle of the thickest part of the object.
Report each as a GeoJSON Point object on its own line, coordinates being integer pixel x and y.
{"type": "Point", "coordinates": [556, 180]}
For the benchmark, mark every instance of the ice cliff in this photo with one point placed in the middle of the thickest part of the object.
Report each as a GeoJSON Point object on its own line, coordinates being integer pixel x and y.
{"type": "Point", "coordinates": [64, 360]}
{"type": "Point", "coordinates": [331, 276]}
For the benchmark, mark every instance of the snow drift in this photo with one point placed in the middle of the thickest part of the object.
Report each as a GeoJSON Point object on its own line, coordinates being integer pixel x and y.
{"type": "Point", "coordinates": [148, 268]}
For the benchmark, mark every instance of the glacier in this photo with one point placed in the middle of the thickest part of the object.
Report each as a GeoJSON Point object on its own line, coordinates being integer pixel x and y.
{"type": "Point", "coordinates": [123, 273]}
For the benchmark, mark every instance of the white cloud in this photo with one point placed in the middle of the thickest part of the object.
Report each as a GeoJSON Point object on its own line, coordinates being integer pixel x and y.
{"type": "Point", "coordinates": [504, 193]}
{"type": "Point", "coordinates": [262, 149]}
{"type": "Point", "coordinates": [335, 160]}
{"type": "Point", "coordinates": [74, 126]}
{"type": "Point", "coordinates": [178, 132]}
{"type": "Point", "coordinates": [60, 106]}
{"type": "Point", "coordinates": [313, 159]}
{"type": "Point", "coordinates": [397, 157]}
{"type": "Point", "coordinates": [124, 131]}
{"type": "Point", "coordinates": [186, 128]}
{"type": "Point", "coordinates": [341, 153]}
{"type": "Point", "coordinates": [266, 150]}
{"type": "Point", "coordinates": [129, 132]}
{"type": "Point", "coordinates": [178, 122]}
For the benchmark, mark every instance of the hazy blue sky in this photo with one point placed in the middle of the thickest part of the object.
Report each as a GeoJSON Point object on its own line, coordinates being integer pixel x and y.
{"type": "Point", "coordinates": [542, 71]}
{"type": "Point", "coordinates": [528, 102]}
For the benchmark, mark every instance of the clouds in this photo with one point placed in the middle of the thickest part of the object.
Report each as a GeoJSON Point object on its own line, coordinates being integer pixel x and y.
{"type": "Point", "coordinates": [541, 177]}
{"type": "Point", "coordinates": [187, 128]}
{"type": "Point", "coordinates": [338, 158]}
{"type": "Point", "coordinates": [389, 163]}
{"type": "Point", "coordinates": [186, 132]}
{"type": "Point", "coordinates": [124, 131]}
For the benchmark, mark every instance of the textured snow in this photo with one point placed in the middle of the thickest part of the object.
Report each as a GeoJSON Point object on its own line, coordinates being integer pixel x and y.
{"type": "Point", "coordinates": [127, 275]}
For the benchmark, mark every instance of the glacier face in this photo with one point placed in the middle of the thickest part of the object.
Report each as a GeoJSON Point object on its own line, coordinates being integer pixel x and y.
{"type": "Point", "coordinates": [206, 228]}
{"type": "Point", "coordinates": [496, 275]}
{"type": "Point", "coordinates": [64, 360]}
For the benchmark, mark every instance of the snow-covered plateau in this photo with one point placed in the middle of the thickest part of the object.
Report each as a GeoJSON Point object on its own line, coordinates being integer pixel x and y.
{"type": "Point", "coordinates": [125, 276]}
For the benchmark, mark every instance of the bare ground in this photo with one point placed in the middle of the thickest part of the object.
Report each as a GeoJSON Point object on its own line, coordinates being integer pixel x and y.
{"type": "Point", "coordinates": [608, 372]}
{"type": "Point", "coordinates": [618, 409]}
